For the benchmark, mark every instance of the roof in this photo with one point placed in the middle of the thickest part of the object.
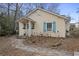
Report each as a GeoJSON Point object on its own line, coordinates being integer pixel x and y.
{"type": "Point", "coordinates": [26, 17]}
{"type": "Point", "coordinates": [47, 12]}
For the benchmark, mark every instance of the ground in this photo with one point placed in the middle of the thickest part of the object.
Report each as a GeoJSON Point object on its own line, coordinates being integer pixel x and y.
{"type": "Point", "coordinates": [67, 44]}
{"type": "Point", "coordinates": [33, 46]}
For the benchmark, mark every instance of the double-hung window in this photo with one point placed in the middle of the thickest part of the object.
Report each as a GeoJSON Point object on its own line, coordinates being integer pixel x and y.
{"type": "Point", "coordinates": [49, 26]}
{"type": "Point", "coordinates": [24, 26]}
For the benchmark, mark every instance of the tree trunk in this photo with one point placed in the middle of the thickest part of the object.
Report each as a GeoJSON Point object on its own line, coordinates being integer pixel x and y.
{"type": "Point", "coordinates": [8, 22]}
{"type": "Point", "coordinates": [15, 16]}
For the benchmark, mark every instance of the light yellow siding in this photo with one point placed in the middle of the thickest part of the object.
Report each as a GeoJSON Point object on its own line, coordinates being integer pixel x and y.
{"type": "Point", "coordinates": [21, 30]}
{"type": "Point", "coordinates": [40, 17]}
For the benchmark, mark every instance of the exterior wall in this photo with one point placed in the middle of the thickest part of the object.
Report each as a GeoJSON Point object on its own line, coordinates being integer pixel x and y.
{"type": "Point", "coordinates": [26, 31]}
{"type": "Point", "coordinates": [40, 17]}
{"type": "Point", "coordinates": [21, 30]}
{"type": "Point", "coordinates": [77, 25]}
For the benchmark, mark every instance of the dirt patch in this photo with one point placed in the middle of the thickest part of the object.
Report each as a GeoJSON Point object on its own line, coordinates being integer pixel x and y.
{"type": "Point", "coordinates": [6, 48]}
{"type": "Point", "coordinates": [5, 43]}
{"type": "Point", "coordinates": [70, 44]}
{"type": "Point", "coordinates": [16, 52]}
{"type": "Point", "coordinates": [67, 44]}
{"type": "Point", "coordinates": [47, 42]}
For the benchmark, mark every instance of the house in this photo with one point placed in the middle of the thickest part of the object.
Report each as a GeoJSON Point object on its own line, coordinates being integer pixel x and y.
{"type": "Point", "coordinates": [72, 26]}
{"type": "Point", "coordinates": [77, 25]}
{"type": "Point", "coordinates": [42, 22]}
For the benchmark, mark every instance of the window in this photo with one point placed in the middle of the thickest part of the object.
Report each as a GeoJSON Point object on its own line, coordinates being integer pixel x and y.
{"type": "Point", "coordinates": [24, 27]}
{"type": "Point", "coordinates": [27, 26]}
{"type": "Point", "coordinates": [49, 26]}
{"type": "Point", "coordinates": [33, 25]}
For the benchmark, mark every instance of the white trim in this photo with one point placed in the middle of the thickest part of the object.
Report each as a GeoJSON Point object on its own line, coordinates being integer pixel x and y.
{"type": "Point", "coordinates": [29, 30]}
{"type": "Point", "coordinates": [26, 30]}
{"type": "Point", "coordinates": [26, 18]}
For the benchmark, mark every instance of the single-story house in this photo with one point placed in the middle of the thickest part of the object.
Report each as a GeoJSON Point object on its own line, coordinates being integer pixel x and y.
{"type": "Point", "coordinates": [42, 22]}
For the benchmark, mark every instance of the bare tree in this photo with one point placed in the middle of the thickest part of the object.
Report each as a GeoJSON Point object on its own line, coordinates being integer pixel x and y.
{"type": "Point", "coordinates": [53, 7]}
{"type": "Point", "coordinates": [8, 10]}
{"type": "Point", "coordinates": [15, 10]}
{"type": "Point", "coordinates": [40, 5]}
{"type": "Point", "coordinates": [17, 14]}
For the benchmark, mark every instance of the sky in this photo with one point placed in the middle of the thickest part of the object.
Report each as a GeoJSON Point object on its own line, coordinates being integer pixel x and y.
{"type": "Point", "coordinates": [70, 9]}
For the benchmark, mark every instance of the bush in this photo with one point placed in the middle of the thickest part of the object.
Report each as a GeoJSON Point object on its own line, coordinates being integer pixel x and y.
{"type": "Point", "coordinates": [5, 26]}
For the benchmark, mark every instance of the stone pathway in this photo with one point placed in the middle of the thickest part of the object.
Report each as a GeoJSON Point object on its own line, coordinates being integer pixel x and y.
{"type": "Point", "coordinates": [18, 43]}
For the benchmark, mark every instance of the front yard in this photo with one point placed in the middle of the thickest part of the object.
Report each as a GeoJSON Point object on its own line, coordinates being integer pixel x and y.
{"type": "Point", "coordinates": [38, 46]}
{"type": "Point", "coordinates": [6, 48]}
{"type": "Point", "coordinates": [67, 44]}
{"type": "Point", "coordinates": [40, 41]}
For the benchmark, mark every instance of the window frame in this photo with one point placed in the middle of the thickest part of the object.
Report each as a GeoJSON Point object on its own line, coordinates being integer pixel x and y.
{"type": "Point", "coordinates": [33, 25]}
{"type": "Point", "coordinates": [24, 26]}
{"type": "Point", "coordinates": [49, 24]}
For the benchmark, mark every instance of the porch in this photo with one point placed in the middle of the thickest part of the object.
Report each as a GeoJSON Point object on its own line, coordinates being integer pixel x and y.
{"type": "Point", "coordinates": [26, 26]}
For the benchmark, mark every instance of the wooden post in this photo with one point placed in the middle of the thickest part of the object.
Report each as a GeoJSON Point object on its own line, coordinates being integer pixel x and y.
{"type": "Point", "coordinates": [29, 30]}
{"type": "Point", "coordinates": [26, 30]}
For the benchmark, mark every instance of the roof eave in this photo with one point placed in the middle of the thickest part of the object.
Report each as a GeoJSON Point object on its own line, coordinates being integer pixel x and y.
{"type": "Point", "coordinates": [45, 11]}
